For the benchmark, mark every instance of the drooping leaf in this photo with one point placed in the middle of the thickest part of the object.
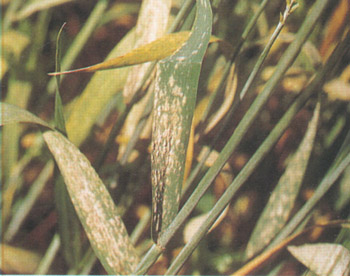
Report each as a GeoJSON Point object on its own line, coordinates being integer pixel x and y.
{"type": "Point", "coordinates": [175, 97]}
{"type": "Point", "coordinates": [13, 114]}
{"type": "Point", "coordinates": [282, 199]}
{"type": "Point", "coordinates": [158, 49]}
{"type": "Point", "coordinates": [94, 206]}
{"type": "Point", "coordinates": [323, 258]}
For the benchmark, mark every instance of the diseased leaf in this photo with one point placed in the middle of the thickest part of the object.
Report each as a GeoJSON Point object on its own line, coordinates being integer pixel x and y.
{"type": "Point", "coordinates": [323, 258]}
{"type": "Point", "coordinates": [282, 199]}
{"type": "Point", "coordinates": [94, 206]}
{"type": "Point", "coordinates": [14, 114]}
{"type": "Point", "coordinates": [174, 101]}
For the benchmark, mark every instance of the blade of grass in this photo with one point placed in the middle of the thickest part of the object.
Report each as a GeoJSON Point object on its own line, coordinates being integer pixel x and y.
{"type": "Point", "coordinates": [48, 258]}
{"type": "Point", "coordinates": [27, 203]}
{"type": "Point", "coordinates": [290, 7]}
{"type": "Point", "coordinates": [69, 227]}
{"type": "Point", "coordinates": [281, 201]}
{"type": "Point", "coordinates": [94, 206]}
{"type": "Point", "coordinates": [323, 258]}
{"type": "Point", "coordinates": [185, 9]}
{"type": "Point", "coordinates": [59, 116]}
{"type": "Point", "coordinates": [68, 222]}
{"type": "Point", "coordinates": [80, 40]}
{"type": "Point", "coordinates": [18, 94]}
{"type": "Point", "coordinates": [174, 101]}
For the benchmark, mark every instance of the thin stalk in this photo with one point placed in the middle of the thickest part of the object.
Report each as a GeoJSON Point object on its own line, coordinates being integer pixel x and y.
{"type": "Point", "coordinates": [28, 202]}
{"type": "Point", "coordinates": [289, 9]}
{"type": "Point", "coordinates": [80, 40]}
{"type": "Point", "coordinates": [258, 156]}
{"type": "Point", "coordinates": [182, 14]}
{"type": "Point", "coordinates": [49, 256]}
{"type": "Point", "coordinates": [286, 61]}
{"type": "Point", "coordinates": [247, 31]}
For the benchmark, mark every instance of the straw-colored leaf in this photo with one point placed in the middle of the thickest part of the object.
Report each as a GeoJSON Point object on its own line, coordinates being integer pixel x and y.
{"type": "Point", "coordinates": [94, 206]}
{"type": "Point", "coordinates": [158, 49]}
{"type": "Point", "coordinates": [282, 199]}
{"type": "Point", "coordinates": [175, 97]}
{"type": "Point", "coordinates": [323, 258]}
{"type": "Point", "coordinates": [155, 50]}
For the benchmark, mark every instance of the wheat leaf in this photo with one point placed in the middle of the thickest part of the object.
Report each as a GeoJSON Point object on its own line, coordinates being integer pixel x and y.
{"type": "Point", "coordinates": [175, 97]}
{"type": "Point", "coordinates": [94, 206]}
{"type": "Point", "coordinates": [282, 199]}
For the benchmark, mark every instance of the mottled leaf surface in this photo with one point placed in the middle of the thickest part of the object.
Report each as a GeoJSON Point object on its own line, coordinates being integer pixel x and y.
{"type": "Point", "coordinates": [174, 102]}
{"type": "Point", "coordinates": [94, 206]}
{"type": "Point", "coordinates": [282, 199]}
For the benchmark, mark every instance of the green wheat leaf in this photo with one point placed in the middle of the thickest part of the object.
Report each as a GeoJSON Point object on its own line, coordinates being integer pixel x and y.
{"type": "Point", "coordinates": [175, 97]}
